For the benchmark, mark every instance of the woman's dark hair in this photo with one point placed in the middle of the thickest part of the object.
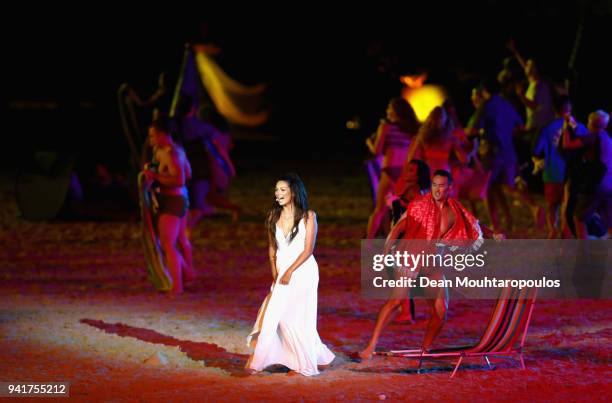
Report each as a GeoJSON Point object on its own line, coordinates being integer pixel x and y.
{"type": "Point", "coordinates": [406, 118]}
{"type": "Point", "coordinates": [423, 176]}
{"type": "Point", "coordinates": [437, 127]}
{"type": "Point", "coordinates": [299, 199]}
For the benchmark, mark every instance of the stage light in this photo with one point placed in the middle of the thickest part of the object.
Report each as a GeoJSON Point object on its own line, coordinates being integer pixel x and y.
{"type": "Point", "coordinates": [422, 97]}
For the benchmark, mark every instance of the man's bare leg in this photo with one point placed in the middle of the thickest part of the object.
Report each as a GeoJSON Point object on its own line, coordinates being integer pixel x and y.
{"type": "Point", "coordinates": [581, 228]}
{"type": "Point", "coordinates": [169, 226]}
{"type": "Point", "coordinates": [492, 208]}
{"type": "Point", "coordinates": [221, 201]}
{"type": "Point", "coordinates": [505, 207]}
{"type": "Point", "coordinates": [438, 306]}
{"type": "Point", "coordinates": [406, 311]}
{"type": "Point", "coordinates": [551, 218]}
{"type": "Point", "coordinates": [436, 322]}
{"type": "Point", "coordinates": [375, 221]}
{"type": "Point", "coordinates": [194, 216]}
{"type": "Point", "coordinates": [186, 250]}
{"type": "Point", "coordinates": [385, 316]}
{"type": "Point", "coordinates": [566, 232]}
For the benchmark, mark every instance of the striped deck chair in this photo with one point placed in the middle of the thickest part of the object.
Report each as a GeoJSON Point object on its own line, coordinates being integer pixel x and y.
{"type": "Point", "coordinates": [507, 326]}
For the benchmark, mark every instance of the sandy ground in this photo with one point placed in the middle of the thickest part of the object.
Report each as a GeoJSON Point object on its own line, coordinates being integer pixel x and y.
{"type": "Point", "coordinates": [76, 306]}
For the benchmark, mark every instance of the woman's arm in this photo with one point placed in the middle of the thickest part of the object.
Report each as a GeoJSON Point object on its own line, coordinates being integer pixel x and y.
{"type": "Point", "coordinates": [529, 103]}
{"type": "Point", "coordinates": [512, 48]}
{"type": "Point", "coordinates": [415, 150]}
{"type": "Point", "coordinates": [272, 252]}
{"type": "Point", "coordinates": [381, 136]}
{"type": "Point", "coordinates": [396, 232]}
{"type": "Point", "coordinates": [272, 257]}
{"type": "Point", "coordinates": [311, 237]}
{"type": "Point", "coordinates": [370, 142]}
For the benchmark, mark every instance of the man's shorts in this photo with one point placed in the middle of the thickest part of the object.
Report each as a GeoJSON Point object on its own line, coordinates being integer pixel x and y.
{"type": "Point", "coordinates": [172, 205]}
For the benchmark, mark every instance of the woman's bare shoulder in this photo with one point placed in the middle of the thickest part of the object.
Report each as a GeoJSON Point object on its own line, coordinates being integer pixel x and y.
{"type": "Point", "coordinates": [310, 216]}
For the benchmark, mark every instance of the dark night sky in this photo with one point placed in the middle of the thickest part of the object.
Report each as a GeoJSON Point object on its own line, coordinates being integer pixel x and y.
{"type": "Point", "coordinates": [316, 63]}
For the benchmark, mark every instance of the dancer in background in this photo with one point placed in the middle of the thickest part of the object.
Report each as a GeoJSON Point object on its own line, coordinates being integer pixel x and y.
{"type": "Point", "coordinates": [392, 139]}
{"type": "Point", "coordinates": [548, 159]}
{"type": "Point", "coordinates": [171, 170]}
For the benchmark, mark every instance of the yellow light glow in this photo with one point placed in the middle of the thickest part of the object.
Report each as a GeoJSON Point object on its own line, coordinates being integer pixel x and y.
{"type": "Point", "coordinates": [414, 81]}
{"type": "Point", "coordinates": [424, 99]}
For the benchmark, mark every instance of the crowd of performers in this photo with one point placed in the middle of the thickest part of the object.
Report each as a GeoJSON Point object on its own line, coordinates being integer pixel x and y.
{"type": "Point", "coordinates": [424, 170]}
{"type": "Point", "coordinates": [522, 130]}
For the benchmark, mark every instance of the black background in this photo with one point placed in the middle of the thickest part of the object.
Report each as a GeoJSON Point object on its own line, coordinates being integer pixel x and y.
{"type": "Point", "coordinates": [322, 66]}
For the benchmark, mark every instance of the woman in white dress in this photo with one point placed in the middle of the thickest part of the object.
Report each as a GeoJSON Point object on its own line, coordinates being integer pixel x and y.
{"type": "Point", "coordinates": [285, 331]}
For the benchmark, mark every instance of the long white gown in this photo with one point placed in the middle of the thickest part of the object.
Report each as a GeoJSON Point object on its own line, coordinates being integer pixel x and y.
{"type": "Point", "coordinates": [286, 325]}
